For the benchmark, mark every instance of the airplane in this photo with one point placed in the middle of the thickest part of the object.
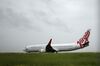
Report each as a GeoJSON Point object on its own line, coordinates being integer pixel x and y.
{"type": "Point", "coordinates": [81, 43]}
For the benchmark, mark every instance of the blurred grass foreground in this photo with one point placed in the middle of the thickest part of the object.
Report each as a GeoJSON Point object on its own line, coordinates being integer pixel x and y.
{"type": "Point", "coordinates": [49, 59]}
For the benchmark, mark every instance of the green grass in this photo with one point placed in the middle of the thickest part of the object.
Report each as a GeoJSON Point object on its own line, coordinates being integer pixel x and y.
{"type": "Point", "coordinates": [50, 59]}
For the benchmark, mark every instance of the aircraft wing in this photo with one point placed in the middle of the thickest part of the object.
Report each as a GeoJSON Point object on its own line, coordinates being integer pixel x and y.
{"type": "Point", "coordinates": [49, 47]}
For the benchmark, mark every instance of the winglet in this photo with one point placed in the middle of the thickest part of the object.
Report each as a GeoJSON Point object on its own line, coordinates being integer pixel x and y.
{"type": "Point", "coordinates": [49, 43]}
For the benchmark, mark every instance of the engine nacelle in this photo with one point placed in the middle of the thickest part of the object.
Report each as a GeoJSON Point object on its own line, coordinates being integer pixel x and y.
{"type": "Point", "coordinates": [42, 50]}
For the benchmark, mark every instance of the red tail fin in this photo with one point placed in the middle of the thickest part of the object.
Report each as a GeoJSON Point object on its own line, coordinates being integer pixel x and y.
{"type": "Point", "coordinates": [84, 39]}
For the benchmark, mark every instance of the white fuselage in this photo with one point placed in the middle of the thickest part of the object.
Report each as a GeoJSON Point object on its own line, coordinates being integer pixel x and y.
{"type": "Point", "coordinates": [81, 43]}
{"type": "Point", "coordinates": [57, 47]}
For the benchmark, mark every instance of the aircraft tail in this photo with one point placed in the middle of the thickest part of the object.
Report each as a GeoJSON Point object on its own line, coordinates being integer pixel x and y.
{"type": "Point", "coordinates": [84, 39]}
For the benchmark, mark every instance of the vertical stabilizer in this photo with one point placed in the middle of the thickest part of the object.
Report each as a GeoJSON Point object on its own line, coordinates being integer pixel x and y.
{"type": "Point", "coordinates": [84, 39]}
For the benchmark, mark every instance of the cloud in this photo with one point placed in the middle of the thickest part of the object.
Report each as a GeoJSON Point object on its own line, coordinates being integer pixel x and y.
{"type": "Point", "coordinates": [41, 18]}
{"type": "Point", "coordinates": [9, 18]}
{"type": "Point", "coordinates": [30, 15]}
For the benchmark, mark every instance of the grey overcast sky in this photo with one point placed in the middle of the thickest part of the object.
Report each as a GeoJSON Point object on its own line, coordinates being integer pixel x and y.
{"type": "Point", "coordinates": [27, 22]}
